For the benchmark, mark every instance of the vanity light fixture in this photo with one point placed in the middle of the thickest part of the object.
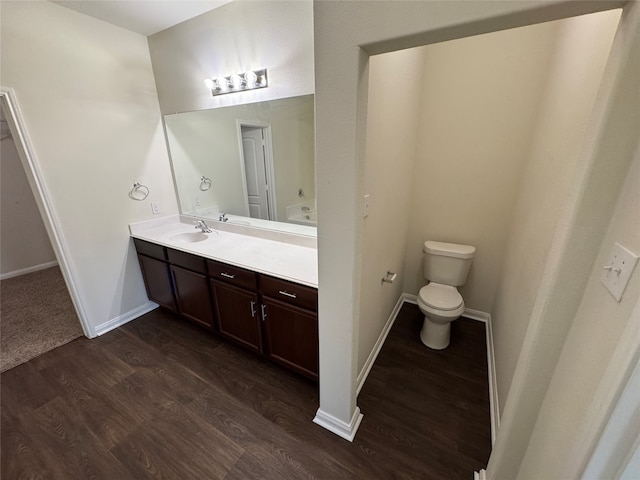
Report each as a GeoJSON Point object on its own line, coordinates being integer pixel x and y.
{"type": "Point", "coordinates": [238, 82]}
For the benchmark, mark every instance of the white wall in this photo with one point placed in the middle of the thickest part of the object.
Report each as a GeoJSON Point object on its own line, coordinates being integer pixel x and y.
{"type": "Point", "coordinates": [478, 116]}
{"type": "Point", "coordinates": [581, 52]}
{"type": "Point", "coordinates": [594, 335]}
{"type": "Point", "coordinates": [239, 36]}
{"type": "Point", "coordinates": [609, 146]}
{"type": "Point", "coordinates": [342, 31]}
{"type": "Point", "coordinates": [24, 241]}
{"type": "Point", "coordinates": [88, 98]}
{"type": "Point", "coordinates": [392, 134]}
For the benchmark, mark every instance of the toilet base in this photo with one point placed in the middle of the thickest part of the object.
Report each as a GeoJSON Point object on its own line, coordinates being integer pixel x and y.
{"type": "Point", "coordinates": [435, 335]}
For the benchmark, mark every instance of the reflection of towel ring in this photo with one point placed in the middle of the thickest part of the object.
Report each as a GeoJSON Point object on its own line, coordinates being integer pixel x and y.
{"type": "Point", "coordinates": [205, 183]}
{"type": "Point", "coordinates": [139, 192]}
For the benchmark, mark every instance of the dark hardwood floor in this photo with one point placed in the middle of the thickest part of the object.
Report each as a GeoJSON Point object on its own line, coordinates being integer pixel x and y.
{"type": "Point", "coordinates": [160, 398]}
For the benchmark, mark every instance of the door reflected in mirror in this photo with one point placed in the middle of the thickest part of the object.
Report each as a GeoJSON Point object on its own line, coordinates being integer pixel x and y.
{"type": "Point", "coordinates": [252, 160]}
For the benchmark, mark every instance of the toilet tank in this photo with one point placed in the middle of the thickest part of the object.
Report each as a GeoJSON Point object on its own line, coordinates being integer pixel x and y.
{"type": "Point", "coordinates": [447, 263]}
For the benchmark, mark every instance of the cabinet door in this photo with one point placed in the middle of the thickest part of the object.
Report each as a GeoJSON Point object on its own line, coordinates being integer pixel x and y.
{"type": "Point", "coordinates": [238, 314]}
{"type": "Point", "coordinates": [192, 296]}
{"type": "Point", "coordinates": [291, 336]}
{"type": "Point", "coordinates": [157, 280]}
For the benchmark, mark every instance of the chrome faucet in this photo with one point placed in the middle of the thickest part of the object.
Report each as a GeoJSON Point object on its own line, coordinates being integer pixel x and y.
{"type": "Point", "coordinates": [223, 217]}
{"type": "Point", "coordinates": [203, 226]}
{"type": "Point", "coordinates": [305, 209]}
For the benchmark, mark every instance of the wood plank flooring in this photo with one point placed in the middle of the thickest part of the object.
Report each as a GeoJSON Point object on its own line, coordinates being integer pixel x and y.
{"type": "Point", "coordinates": [160, 398]}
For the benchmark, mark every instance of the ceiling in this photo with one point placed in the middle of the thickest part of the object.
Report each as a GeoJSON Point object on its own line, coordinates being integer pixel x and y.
{"type": "Point", "coordinates": [142, 16]}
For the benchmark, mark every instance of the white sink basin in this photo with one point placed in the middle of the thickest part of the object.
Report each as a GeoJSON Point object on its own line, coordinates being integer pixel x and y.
{"type": "Point", "coordinates": [189, 237]}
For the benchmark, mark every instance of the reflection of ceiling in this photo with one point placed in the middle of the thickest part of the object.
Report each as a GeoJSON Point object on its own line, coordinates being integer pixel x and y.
{"type": "Point", "coordinates": [142, 16]}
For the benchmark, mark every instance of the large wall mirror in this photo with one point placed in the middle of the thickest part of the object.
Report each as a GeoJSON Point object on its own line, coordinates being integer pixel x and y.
{"type": "Point", "coordinates": [254, 161]}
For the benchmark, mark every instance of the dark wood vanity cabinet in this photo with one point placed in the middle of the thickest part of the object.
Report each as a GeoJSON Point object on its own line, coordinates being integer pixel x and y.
{"type": "Point", "coordinates": [156, 274]}
{"type": "Point", "coordinates": [290, 320]}
{"type": "Point", "coordinates": [238, 314]}
{"type": "Point", "coordinates": [237, 303]}
{"type": "Point", "coordinates": [264, 314]}
{"type": "Point", "coordinates": [192, 295]}
{"type": "Point", "coordinates": [291, 336]}
{"type": "Point", "coordinates": [176, 280]}
{"type": "Point", "coordinates": [191, 287]}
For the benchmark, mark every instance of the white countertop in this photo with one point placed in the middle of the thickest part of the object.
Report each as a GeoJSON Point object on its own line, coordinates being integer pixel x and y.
{"type": "Point", "coordinates": [279, 254]}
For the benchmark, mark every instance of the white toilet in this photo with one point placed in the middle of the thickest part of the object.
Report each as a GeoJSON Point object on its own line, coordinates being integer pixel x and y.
{"type": "Point", "coordinates": [446, 266]}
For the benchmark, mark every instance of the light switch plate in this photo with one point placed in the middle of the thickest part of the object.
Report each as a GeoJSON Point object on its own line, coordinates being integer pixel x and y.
{"type": "Point", "coordinates": [617, 272]}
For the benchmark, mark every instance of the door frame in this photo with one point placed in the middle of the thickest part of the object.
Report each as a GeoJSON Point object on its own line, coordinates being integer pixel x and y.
{"type": "Point", "coordinates": [268, 159]}
{"type": "Point", "coordinates": [28, 158]}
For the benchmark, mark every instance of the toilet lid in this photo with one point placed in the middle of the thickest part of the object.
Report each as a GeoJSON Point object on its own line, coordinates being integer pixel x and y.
{"type": "Point", "coordinates": [441, 297]}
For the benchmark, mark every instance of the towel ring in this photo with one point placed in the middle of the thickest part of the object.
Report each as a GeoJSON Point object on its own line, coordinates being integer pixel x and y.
{"type": "Point", "coordinates": [205, 183]}
{"type": "Point", "coordinates": [139, 192]}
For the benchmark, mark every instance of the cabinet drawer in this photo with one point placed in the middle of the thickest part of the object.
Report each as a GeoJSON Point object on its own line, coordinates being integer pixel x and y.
{"type": "Point", "coordinates": [293, 293]}
{"type": "Point", "coordinates": [234, 275]}
{"type": "Point", "coordinates": [186, 260]}
{"type": "Point", "coordinates": [150, 249]}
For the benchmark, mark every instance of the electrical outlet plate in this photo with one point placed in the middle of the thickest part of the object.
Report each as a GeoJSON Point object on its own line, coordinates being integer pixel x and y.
{"type": "Point", "coordinates": [617, 272]}
{"type": "Point", "coordinates": [155, 208]}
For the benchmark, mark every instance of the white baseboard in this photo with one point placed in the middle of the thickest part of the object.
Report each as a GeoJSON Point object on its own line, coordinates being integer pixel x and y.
{"type": "Point", "coordinates": [494, 409]}
{"type": "Point", "coordinates": [481, 475]}
{"type": "Point", "coordinates": [491, 365]}
{"type": "Point", "coordinates": [364, 373]}
{"type": "Point", "coordinates": [24, 271]}
{"type": "Point", "coordinates": [342, 429]}
{"type": "Point", "coordinates": [493, 384]}
{"type": "Point", "coordinates": [125, 318]}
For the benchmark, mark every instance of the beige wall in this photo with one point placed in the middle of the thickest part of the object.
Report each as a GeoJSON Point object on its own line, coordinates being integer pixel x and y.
{"type": "Point", "coordinates": [88, 99]}
{"type": "Point", "coordinates": [392, 134]}
{"type": "Point", "coordinates": [591, 342]}
{"type": "Point", "coordinates": [24, 242]}
{"type": "Point", "coordinates": [479, 111]}
{"type": "Point", "coordinates": [239, 36]}
{"type": "Point", "coordinates": [378, 27]}
{"type": "Point", "coordinates": [609, 147]}
{"type": "Point", "coordinates": [581, 52]}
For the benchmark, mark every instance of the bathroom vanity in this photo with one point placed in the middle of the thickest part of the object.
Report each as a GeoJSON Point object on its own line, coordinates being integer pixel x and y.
{"type": "Point", "coordinates": [256, 292]}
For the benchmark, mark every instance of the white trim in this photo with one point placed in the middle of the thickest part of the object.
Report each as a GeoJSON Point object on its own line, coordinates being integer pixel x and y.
{"type": "Point", "coordinates": [342, 429]}
{"type": "Point", "coordinates": [364, 373]}
{"type": "Point", "coordinates": [481, 475]}
{"type": "Point", "coordinates": [472, 314]}
{"type": "Point", "coordinates": [125, 318]}
{"type": "Point", "coordinates": [494, 409]}
{"type": "Point", "coordinates": [24, 271]}
{"type": "Point", "coordinates": [41, 195]}
{"type": "Point", "coordinates": [494, 405]}
{"type": "Point", "coordinates": [469, 313]}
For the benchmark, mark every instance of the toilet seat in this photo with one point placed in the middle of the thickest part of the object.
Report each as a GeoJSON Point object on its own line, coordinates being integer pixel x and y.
{"type": "Point", "coordinates": [440, 297]}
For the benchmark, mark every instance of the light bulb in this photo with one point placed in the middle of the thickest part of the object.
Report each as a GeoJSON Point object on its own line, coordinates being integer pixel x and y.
{"type": "Point", "coordinates": [236, 80]}
{"type": "Point", "coordinates": [250, 78]}
{"type": "Point", "coordinates": [221, 83]}
{"type": "Point", "coordinates": [210, 84]}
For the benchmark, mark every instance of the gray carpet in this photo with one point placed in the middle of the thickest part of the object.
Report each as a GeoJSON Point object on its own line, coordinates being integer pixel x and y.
{"type": "Point", "coordinates": [36, 315]}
